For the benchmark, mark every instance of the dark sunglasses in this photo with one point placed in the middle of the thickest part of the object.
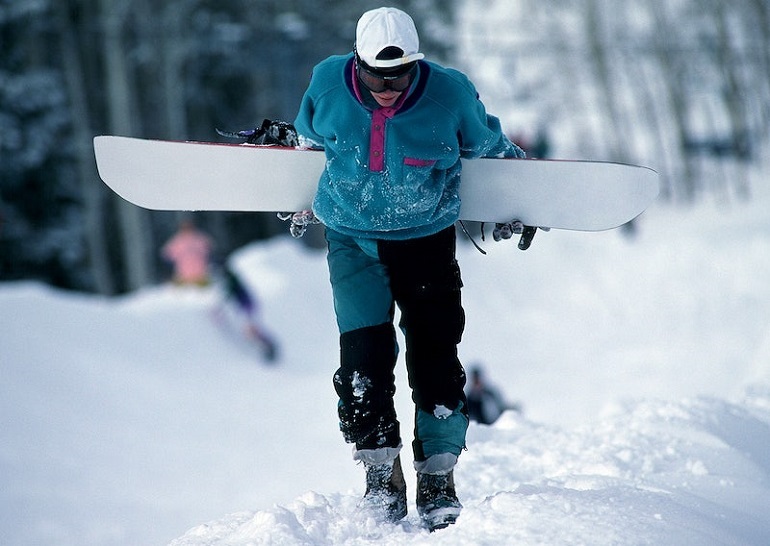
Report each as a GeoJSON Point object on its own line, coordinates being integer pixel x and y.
{"type": "Point", "coordinates": [378, 82]}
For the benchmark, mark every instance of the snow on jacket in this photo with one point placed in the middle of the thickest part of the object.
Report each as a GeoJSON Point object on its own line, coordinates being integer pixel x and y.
{"type": "Point", "coordinates": [394, 173]}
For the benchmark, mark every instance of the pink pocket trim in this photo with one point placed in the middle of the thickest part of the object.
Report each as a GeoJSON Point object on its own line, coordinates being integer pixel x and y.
{"type": "Point", "coordinates": [414, 162]}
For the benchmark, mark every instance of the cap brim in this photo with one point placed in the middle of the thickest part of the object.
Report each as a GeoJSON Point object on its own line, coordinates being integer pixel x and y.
{"type": "Point", "coordinates": [392, 63]}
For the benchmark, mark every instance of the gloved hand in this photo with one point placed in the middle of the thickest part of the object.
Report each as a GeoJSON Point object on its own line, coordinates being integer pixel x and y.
{"type": "Point", "coordinates": [299, 221]}
{"type": "Point", "coordinates": [506, 230]}
{"type": "Point", "coordinates": [276, 132]}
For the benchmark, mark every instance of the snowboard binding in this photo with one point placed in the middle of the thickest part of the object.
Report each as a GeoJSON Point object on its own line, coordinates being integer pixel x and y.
{"type": "Point", "coordinates": [270, 133]}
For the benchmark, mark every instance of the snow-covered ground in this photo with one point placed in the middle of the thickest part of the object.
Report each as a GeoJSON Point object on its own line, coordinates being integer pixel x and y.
{"type": "Point", "coordinates": [643, 365]}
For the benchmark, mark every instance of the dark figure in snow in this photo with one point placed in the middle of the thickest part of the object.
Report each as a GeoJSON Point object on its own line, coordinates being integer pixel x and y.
{"type": "Point", "coordinates": [485, 403]}
{"type": "Point", "coordinates": [235, 290]}
{"type": "Point", "coordinates": [394, 127]}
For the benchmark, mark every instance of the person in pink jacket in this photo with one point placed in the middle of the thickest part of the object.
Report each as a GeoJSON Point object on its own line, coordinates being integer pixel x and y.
{"type": "Point", "coordinates": [189, 250]}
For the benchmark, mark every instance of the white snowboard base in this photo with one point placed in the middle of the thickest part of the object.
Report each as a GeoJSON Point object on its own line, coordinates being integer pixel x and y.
{"type": "Point", "coordinates": [562, 194]}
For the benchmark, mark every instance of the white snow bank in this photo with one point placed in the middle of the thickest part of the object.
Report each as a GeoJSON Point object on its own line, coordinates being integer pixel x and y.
{"type": "Point", "coordinates": [676, 473]}
{"type": "Point", "coordinates": [643, 366]}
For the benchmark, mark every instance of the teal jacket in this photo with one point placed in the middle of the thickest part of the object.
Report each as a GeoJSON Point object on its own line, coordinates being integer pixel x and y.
{"type": "Point", "coordinates": [394, 173]}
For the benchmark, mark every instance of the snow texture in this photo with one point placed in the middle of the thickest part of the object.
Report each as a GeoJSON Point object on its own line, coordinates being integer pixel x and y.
{"type": "Point", "coordinates": [642, 364]}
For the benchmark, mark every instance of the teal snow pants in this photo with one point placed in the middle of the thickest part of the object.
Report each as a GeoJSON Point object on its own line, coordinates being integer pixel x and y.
{"type": "Point", "coordinates": [369, 277]}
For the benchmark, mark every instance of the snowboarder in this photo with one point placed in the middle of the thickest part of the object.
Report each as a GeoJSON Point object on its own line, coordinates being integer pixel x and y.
{"type": "Point", "coordinates": [189, 251]}
{"type": "Point", "coordinates": [394, 128]}
{"type": "Point", "coordinates": [234, 290]}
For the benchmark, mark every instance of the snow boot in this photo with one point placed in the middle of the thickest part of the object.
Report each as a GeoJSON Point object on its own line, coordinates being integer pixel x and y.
{"type": "Point", "coordinates": [437, 501]}
{"type": "Point", "coordinates": [386, 490]}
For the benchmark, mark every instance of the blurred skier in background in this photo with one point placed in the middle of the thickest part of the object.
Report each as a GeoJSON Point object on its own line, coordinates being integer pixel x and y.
{"type": "Point", "coordinates": [189, 250]}
{"type": "Point", "coordinates": [235, 292]}
{"type": "Point", "coordinates": [485, 402]}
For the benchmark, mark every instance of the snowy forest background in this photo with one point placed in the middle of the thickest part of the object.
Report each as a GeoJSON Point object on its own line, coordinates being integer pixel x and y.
{"type": "Point", "coordinates": [597, 77]}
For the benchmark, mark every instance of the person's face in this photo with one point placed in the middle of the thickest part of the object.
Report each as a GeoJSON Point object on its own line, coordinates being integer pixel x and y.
{"type": "Point", "coordinates": [386, 98]}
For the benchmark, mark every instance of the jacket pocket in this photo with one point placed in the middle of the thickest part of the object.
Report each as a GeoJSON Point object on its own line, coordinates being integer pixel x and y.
{"type": "Point", "coordinates": [414, 162]}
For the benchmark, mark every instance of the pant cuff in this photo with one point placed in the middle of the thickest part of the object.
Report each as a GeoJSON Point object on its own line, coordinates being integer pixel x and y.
{"type": "Point", "coordinates": [383, 455]}
{"type": "Point", "coordinates": [440, 463]}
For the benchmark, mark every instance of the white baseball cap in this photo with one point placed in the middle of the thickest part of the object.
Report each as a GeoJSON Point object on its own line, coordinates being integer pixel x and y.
{"type": "Point", "coordinates": [387, 27]}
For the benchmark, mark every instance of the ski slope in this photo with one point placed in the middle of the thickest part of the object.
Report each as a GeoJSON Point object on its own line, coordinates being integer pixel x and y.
{"type": "Point", "coordinates": [642, 364]}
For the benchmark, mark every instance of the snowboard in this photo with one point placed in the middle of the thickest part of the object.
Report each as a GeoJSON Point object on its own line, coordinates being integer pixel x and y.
{"type": "Point", "coordinates": [562, 194]}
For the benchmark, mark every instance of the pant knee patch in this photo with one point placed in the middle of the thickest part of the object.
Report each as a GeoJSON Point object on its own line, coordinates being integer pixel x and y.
{"type": "Point", "coordinates": [365, 385]}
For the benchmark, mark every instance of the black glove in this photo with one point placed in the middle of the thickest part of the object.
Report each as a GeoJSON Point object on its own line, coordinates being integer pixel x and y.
{"type": "Point", "coordinates": [299, 221]}
{"type": "Point", "coordinates": [527, 234]}
{"type": "Point", "coordinates": [271, 132]}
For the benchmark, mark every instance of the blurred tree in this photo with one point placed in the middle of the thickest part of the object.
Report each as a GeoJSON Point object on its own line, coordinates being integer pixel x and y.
{"type": "Point", "coordinates": [71, 69]}
{"type": "Point", "coordinates": [40, 231]}
{"type": "Point", "coordinates": [681, 85]}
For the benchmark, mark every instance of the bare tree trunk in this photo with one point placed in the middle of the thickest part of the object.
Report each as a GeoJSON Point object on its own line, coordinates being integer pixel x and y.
{"type": "Point", "coordinates": [262, 23]}
{"type": "Point", "coordinates": [761, 40]}
{"type": "Point", "coordinates": [672, 75]}
{"type": "Point", "coordinates": [599, 52]}
{"type": "Point", "coordinates": [653, 125]}
{"type": "Point", "coordinates": [735, 96]}
{"type": "Point", "coordinates": [133, 221]}
{"type": "Point", "coordinates": [92, 191]}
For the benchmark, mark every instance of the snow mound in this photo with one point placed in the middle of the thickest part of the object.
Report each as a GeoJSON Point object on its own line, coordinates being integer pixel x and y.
{"type": "Point", "coordinates": [642, 364]}
{"type": "Point", "coordinates": [676, 473]}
